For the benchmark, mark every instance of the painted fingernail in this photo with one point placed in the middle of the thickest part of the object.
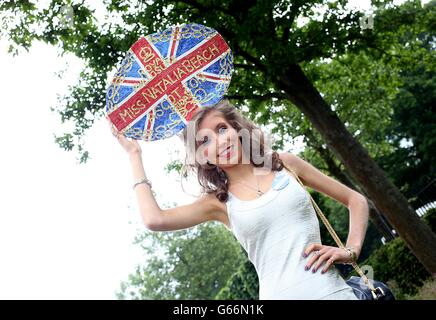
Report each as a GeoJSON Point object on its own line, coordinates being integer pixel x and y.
{"type": "Point", "coordinates": [306, 268]}
{"type": "Point", "coordinates": [322, 271]}
{"type": "Point", "coordinates": [313, 270]}
{"type": "Point", "coordinates": [304, 254]}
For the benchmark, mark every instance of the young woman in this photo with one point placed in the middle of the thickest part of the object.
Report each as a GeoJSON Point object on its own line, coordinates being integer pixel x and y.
{"type": "Point", "coordinates": [261, 203]}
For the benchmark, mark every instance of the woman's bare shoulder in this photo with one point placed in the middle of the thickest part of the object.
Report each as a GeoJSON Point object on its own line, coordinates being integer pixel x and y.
{"type": "Point", "coordinates": [219, 208]}
{"type": "Point", "coordinates": [288, 157]}
{"type": "Point", "coordinates": [291, 160]}
{"type": "Point", "coordinates": [212, 200]}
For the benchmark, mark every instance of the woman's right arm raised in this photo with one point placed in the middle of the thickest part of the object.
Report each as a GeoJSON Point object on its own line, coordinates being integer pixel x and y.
{"type": "Point", "coordinates": [203, 209]}
{"type": "Point", "coordinates": [181, 217]}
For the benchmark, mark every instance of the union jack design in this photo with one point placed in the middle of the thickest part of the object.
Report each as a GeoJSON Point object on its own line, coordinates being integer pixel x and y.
{"type": "Point", "coordinates": [165, 77]}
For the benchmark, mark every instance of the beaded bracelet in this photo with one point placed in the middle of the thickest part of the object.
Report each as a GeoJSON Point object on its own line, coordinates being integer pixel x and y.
{"type": "Point", "coordinates": [352, 253]}
{"type": "Point", "coordinates": [145, 180]}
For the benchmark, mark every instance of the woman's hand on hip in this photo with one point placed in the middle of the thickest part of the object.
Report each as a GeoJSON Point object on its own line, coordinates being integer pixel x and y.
{"type": "Point", "coordinates": [324, 256]}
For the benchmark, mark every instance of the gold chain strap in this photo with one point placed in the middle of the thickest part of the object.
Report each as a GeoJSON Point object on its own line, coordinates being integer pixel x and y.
{"type": "Point", "coordinates": [332, 231]}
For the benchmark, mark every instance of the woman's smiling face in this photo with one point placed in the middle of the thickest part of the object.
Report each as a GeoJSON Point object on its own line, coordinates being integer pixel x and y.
{"type": "Point", "coordinates": [218, 141]}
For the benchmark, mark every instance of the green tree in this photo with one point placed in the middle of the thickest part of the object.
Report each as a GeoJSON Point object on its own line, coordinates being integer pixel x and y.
{"type": "Point", "coordinates": [413, 133]}
{"type": "Point", "coordinates": [242, 285]}
{"type": "Point", "coordinates": [365, 99]}
{"type": "Point", "coordinates": [270, 49]}
{"type": "Point", "coordinates": [190, 264]}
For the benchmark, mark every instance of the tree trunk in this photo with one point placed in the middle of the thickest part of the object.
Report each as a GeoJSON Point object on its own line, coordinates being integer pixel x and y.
{"type": "Point", "coordinates": [383, 226]}
{"type": "Point", "coordinates": [376, 217]}
{"type": "Point", "coordinates": [386, 196]}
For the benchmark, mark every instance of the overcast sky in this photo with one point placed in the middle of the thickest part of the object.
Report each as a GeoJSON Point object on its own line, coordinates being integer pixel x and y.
{"type": "Point", "coordinates": [66, 230]}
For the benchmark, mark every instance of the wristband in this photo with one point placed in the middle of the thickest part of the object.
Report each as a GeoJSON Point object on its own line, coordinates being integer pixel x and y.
{"type": "Point", "coordinates": [145, 180]}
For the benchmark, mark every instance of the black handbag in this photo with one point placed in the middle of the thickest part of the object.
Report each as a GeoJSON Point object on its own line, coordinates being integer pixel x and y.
{"type": "Point", "coordinates": [364, 292]}
{"type": "Point", "coordinates": [368, 290]}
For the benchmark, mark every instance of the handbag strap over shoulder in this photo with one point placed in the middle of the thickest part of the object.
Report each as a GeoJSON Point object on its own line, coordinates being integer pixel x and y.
{"type": "Point", "coordinates": [331, 230]}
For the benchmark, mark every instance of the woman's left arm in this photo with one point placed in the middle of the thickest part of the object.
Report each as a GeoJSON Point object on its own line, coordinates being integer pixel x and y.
{"type": "Point", "coordinates": [355, 202]}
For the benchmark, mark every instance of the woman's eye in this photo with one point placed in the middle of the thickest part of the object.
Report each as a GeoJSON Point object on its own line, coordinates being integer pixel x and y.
{"type": "Point", "coordinates": [205, 139]}
{"type": "Point", "coordinates": [225, 128]}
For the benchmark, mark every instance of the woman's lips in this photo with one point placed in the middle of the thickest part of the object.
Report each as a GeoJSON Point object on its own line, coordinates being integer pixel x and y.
{"type": "Point", "coordinates": [227, 152]}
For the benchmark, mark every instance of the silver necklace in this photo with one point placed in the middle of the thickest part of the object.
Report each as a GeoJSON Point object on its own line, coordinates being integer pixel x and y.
{"type": "Point", "coordinates": [258, 191]}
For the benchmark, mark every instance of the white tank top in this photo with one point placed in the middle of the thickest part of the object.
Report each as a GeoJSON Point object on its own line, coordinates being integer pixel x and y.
{"type": "Point", "coordinates": [274, 229]}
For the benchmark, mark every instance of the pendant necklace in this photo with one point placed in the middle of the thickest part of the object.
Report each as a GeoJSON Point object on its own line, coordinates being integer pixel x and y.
{"type": "Point", "coordinates": [258, 191]}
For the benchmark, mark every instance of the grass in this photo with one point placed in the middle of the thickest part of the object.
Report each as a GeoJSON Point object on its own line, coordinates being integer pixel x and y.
{"type": "Point", "coordinates": [426, 292]}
